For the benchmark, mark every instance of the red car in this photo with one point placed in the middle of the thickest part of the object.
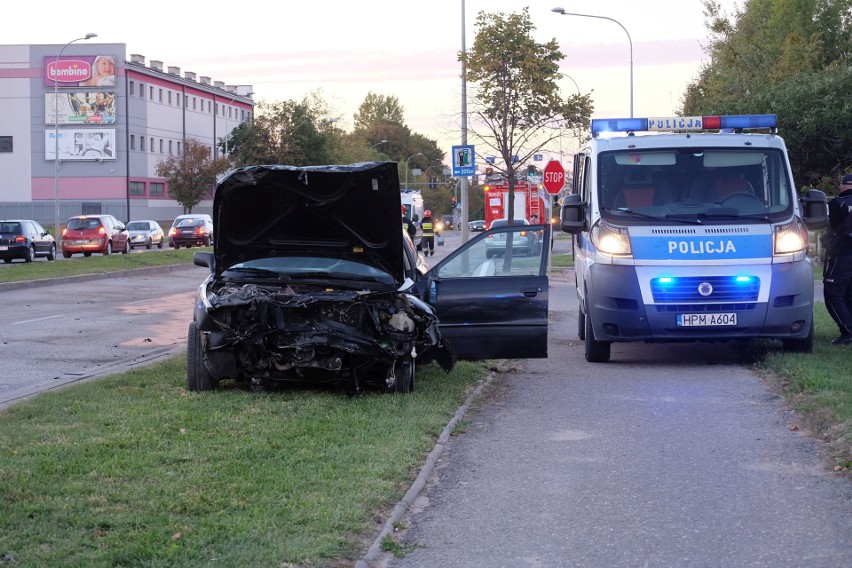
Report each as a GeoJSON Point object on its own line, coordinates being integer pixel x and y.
{"type": "Point", "coordinates": [94, 233]}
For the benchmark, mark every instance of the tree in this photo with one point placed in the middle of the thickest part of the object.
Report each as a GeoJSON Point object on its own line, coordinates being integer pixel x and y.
{"type": "Point", "coordinates": [516, 108]}
{"type": "Point", "coordinates": [378, 109]}
{"type": "Point", "coordinates": [787, 57]}
{"type": "Point", "coordinates": [191, 175]}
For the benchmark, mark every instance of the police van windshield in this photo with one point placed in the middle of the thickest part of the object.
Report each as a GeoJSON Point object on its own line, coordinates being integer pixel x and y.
{"type": "Point", "coordinates": [705, 184]}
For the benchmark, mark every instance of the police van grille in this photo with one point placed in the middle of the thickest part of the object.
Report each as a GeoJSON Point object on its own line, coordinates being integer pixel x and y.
{"type": "Point", "coordinates": [725, 289]}
{"type": "Point", "coordinates": [725, 230]}
{"type": "Point", "coordinates": [672, 231]}
{"type": "Point", "coordinates": [705, 308]}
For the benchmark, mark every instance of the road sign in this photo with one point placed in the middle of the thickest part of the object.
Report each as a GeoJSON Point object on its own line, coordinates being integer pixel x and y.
{"type": "Point", "coordinates": [464, 162]}
{"type": "Point", "coordinates": [554, 177]}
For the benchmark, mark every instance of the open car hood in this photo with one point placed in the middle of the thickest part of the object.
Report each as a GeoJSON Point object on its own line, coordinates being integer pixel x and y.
{"type": "Point", "coordinates": [349, 212]}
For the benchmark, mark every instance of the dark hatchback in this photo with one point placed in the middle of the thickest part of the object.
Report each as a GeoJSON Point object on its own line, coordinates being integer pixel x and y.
{"type": "Point", "coordinates": [197, 231]}
{"type": "Point", "coordinates": [313, 280]}
{"type": "Point", "coordinates": [25, 239]}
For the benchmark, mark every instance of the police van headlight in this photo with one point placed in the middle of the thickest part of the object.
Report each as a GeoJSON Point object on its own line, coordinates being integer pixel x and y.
{"type": "Point", "coordinates": [610, 239]}
{"type": "Point", "coordinates": [791, 237]}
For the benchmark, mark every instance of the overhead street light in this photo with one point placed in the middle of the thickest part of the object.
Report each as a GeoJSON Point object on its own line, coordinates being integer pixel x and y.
{"type": "Point", "coordinates": [57, 236]}
{"type": "Point", "coordinates": [629, 40]}
{"type": "Point", "coordinates": [406, 166]}
{"type": "Point", "coordinates": [379, 143]}
{"type": "Point", "coordinates": [228, 116]}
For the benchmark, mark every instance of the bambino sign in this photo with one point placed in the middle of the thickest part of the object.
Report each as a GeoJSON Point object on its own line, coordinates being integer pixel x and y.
{"type": "Point", "coordinates": [80, 71]}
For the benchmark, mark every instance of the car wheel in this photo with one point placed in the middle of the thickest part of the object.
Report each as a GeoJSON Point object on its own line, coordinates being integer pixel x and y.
{"type": "Point", "coordinates": [581, 324]}
{"type": "Point", "coordinates": [66, 254]}
{"type": "Point", "coordinates": [160, 244]}
{"type": "Point", "coordinates": [87, 254]}
{"type": "Point", "coordinates": [30, 255]}
{"type": "Point", "coordinates": [108, 249]}
{"type": "Point", "coordinates": [596, 351]}
{"type": "Point", "coordinates": [404, 382]}
{"type": "Point", "coordinates": [149, 244]}
{"type": "Point", "coordinates": [177, 246]}
{"type": "Point", "coordinates": [805, 345]}
{"type": "Point", "coordinates": [197, 376]}
{"type": "Point", "coordinates": [51, 254]}
{"type": "Point", "coordinates": [7, 260]}
{"type": "Point", "coordinates": [126, 247]}
{"type": "Point", "coordinates": [207, 242]}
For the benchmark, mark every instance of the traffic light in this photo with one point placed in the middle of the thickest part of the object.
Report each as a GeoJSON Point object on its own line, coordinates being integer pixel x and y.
{"type": "Point", "coordinates": [489, 171]}
{"type": "Point", "coordinates": [531, 171]}
{"type": "Point", "coordinates": [433, 183]}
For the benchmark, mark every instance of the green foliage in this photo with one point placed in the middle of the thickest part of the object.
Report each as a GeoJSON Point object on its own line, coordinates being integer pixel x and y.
{"type": "Point", "coordinates": [787, 57]}
{"type": "Point", "coordinates": [516, 105]}
{"type": "Point", "coordinates": [191, 175]}
{"type": "Point", "coordinates": [377, 110]}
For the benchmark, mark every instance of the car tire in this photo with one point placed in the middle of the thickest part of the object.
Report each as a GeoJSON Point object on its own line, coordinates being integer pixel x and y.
{"type": "Point", "coordinates": [197, 377]}
{"type": "Point", "coordinates": [805, 345]}
{"type": "Point", "coordinates": [581, 324]}
{"type": "Point", "coordinates": [51, 253]}
{"type": "Point", "coordinates": [160, 244]}
{"type": "Point", "coordinates": [176, 246]}
{"type": "Point", "coordinates": [149, 244]}
{"type": "Point", "coordinates": [596, 351]}
{"type": "Point", "coordinates": [30, 256]}
{"type": "Point", "coordinates": [108, 249]}
{"type": "Point", "coordinates": [207, 242]}
{"type": "Point", "coordinates": [7, 260]}
{"type": "Point", "coordinates": [126, 247]}
{"type": "Point", "coordinates": [66, 254]}
{"type": "Point", "coordinates": [87, 254]}
{"type": "Point", "coordinates": [404, 383]}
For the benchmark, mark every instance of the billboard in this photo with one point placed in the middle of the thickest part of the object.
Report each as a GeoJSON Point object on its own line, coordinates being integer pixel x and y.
{"type": "Point", "coordinates": [93, 107]}
{"type": "Point", "coordinates": [80, 71]}
{"type": "Point", "coordinates": [81, 144]}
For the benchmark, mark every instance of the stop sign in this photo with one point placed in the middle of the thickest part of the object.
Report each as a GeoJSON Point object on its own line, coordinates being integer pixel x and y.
{"type": "Point", "coordinates": [554, 177]}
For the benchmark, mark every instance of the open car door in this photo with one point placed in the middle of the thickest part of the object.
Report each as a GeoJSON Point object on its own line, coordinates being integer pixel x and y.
{"type": "Point", "coordinates": [491, 294]}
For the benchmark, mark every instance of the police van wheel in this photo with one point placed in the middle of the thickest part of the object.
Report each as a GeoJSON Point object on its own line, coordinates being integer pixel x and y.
{"type": "Point", "coordinates": [581, 324]}
{"type": "Point", "coordinates": [805, 345]}
{"type": "Point", "coordinates": [596, 351]}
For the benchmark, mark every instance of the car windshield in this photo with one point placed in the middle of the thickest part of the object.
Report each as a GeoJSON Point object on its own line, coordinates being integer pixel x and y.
{"type": "Point", "coordinates": [497, 223]}
{"type": "Point", "coordinates": [79, 224]}
{"type": "Point", "coordinates": [699, 184]}
{"type": "Point", "coordinates": [309, 267]}
{"type": "Point", "coordinates": [138, 226]}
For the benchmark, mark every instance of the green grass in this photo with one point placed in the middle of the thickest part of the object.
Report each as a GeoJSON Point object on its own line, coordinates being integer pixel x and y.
{"type": "Point", "coordinates": [133, 470]}
{"type": "Point", "coordinates": [78, 264]}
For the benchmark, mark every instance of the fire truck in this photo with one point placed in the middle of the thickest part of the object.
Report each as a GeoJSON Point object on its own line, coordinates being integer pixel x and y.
{"type": "Point", "coordinates": [529, 201]}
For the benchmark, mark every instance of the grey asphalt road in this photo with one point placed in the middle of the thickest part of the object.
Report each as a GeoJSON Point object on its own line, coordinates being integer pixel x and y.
{"type": "Point", "coordinates": [669, 455]}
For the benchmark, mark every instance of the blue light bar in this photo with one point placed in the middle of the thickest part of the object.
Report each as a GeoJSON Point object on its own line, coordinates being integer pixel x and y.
{"type": "Point", "coordinates": [684, 123]}
{"type": "Point", "coordinates": [619, 125]}
{"type": "Point", "coordinates": [749, 121]}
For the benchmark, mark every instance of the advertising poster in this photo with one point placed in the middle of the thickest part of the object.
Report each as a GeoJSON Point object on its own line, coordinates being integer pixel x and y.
{"type": "Point", "coordinates": [83, 144]}
{"type": "Point", "coordinates": [93, 107]}
{"type": "Point", "coordinates": [80, 71]}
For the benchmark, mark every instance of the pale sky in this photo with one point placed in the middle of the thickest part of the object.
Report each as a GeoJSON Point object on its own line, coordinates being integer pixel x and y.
{"type": "Point", "coordinates": [348, 48]}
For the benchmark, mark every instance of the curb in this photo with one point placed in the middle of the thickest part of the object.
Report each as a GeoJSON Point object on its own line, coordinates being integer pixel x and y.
{"type": "Point", "coordinates": [422, 478]}
{"type": "Point", "coordinates": [20, 285]}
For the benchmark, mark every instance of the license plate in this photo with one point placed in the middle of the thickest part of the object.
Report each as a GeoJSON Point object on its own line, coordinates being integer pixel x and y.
{"type": "Point", "coordinates": [81, 242]}
{"type": "Point", "coordinates": [4, 247]}
{"type": "Point", "coordinates": [706, 320]}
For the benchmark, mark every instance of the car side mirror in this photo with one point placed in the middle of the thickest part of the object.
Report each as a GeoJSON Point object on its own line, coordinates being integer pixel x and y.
{"type": "Point", "coordinates": [204, 258]}
{"type": "Point", "coordinates": [573, 214]}
{"type": "Point", "coordinates": [814, 207]}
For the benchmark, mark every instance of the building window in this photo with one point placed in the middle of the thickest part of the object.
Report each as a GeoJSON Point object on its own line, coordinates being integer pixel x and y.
{"type": "Point", "coordinates": [170, 147]}
{"type": "Point", "coordinates": [137, 188]}
{"type": "Point", "coordinates": [161, 95]}
{"type": "Point", "coordinates": [178, 149]}
{"type": "Point", "coordinates": [152, 145]}
{"type": "Point", "coordinates": [194, 101]}
{"type": "Point", "coordinates": [5, 144]}
{"type": "Point", "coordinates": [142, 143]}
{"type": "Point", "coordinates": [170, 97]}
{"type": "Point", "coordinates": [157, 189]}
{"type": "Point", "coordinates": [132, 141]}
{"type": "Point", "coordinates": [141, 91]}
{"type": "Point", "coordinates": [161, 145]}
{"type": "Point", "coordinates": [151, 93]}
{"type": "Point", "coordinates": [132, 88]}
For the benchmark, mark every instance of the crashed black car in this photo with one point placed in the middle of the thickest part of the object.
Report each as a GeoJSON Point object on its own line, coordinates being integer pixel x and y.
{"type": "Point", "coordinates": [313, 280]}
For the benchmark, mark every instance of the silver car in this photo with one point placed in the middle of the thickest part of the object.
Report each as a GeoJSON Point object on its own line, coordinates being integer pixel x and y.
{"type": "Point", "coordinates": [146, 233]}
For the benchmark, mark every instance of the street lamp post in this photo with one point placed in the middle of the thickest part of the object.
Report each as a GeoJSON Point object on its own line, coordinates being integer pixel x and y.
{"type": "Point", "coordinates": [57, 236]}
{"type": "Point", "coordinates": [629, 40]}
{"type": "Point", "coordinates": [406, 166]}
{"type": "Point", "coordinates": [228, 116]}
{"type": "Point", "coordinates": [379, 143]}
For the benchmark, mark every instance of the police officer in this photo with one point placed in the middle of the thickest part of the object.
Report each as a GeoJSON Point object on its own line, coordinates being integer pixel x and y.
{"type": "Point", "coordinates": [407, 224]}
{"type": "Point", "coordinates": [427, 236]}
{"type": "Point", "coordinates": [837, 271]}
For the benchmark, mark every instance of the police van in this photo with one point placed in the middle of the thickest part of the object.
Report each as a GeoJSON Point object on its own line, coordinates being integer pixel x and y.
{"type": "Point", "coordinates": [690, 229]}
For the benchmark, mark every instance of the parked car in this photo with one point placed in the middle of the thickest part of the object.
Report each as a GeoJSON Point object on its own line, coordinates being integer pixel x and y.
{"type": "Point", "coordinates": [447, 223]}
{"type": "Point", "coordinates": [478, 225]}
{"type": "Point", "coordinates": [312, 279]}
{"type": "Point", "coordinates": [146, 233]}
{"type": "Point", "coordinates": [181, 218]}
{"type": "Point", "coordinates": [25, 239]}
{"type": "Point", "coordinates": [94, 233]}
{"type": "Point", "coordinates": [526, 242]}
{"type": "Point", "coordinates": [196, 231]}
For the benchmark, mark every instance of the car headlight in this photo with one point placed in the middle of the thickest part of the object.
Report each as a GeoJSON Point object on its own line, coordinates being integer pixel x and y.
{"type": "Point", "coordinates": [791, 237]}
{"type": "Point", "coordinates": [610, 239]}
